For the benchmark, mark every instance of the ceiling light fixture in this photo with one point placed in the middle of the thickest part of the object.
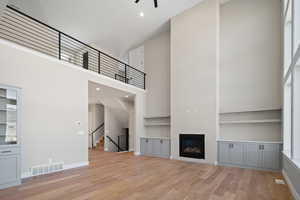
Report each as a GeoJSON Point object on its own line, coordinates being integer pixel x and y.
{"type": "Point", "coordinates": [155, 3]}
{"type": "Point", "coordinates": [126, 96]}
{"type": "Point", "coordinates": [98, 89]}
{"type": "Point", "coordinates": [142, 14]}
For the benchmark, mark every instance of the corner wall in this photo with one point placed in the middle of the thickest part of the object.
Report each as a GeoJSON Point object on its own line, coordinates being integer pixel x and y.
{"type": "Point", "coordinates": [194, 76]}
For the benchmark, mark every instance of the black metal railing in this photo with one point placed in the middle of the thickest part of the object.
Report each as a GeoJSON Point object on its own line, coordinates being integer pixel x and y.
{"type": "Point", "coordinates": [99, 129]}
{"type": "Point", "coordinates": [27, 31]}
{"type": "Point", "coordinates": [116, 144]}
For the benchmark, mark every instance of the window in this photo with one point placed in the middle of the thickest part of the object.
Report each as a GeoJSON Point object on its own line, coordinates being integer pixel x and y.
{"type": "Point", "coordinates": [296, 25]}
{"type": "Point", "coordinates": [291, 105]}
{"type": "Point", "coordinates": [296, 114]}
{"type": "Point", "coordinates": [288, 38]}
{"type": "Point", "coordinates": [287, 110]}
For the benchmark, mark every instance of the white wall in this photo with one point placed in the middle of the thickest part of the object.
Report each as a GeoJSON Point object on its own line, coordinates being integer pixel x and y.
{"type": "Point", "coordinates": [55, 98]}
{"type": "Point", "coordinates": [194, 76]}
{"type": "Point", "coordinates": [96, 118]}
{"type": "Point", "coordinates": [157, 68]}
{"type": "Point", "coordinates": [115, 121]}
{"type": "Point", "coordinates": [250, 55]}
{"type": "Point", "coordinates": [250, 67]}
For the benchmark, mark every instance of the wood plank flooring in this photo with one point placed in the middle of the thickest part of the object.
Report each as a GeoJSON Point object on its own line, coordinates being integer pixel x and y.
{"type": "Point", "coordinates": [123, 176]}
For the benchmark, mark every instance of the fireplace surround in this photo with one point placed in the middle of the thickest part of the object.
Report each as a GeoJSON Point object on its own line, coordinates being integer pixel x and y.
{"type": "Point", "coordinates": [192, 146]}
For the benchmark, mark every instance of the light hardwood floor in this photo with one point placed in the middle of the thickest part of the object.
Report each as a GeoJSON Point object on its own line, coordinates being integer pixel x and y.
{"type": "Point", "coordinates": [123, 176]}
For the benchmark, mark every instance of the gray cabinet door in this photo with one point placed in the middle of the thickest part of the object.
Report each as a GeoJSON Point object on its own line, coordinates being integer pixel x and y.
{"type": "Point", "coordinates": [156, 147]}
{"type": "Point", "coordinates": [270, 156]}
{"type": "Point", "coordinates": [165, 148]}
{"type": "Point", "coordinates": [224, 152]}
{"type": "Point", "coordinates": [252, 155]}
{"type": "Point", "coordinates": [9, 173]}
{"type": "Point", "coordinates": [143, 146]}
{"type": "Point", "coordinates": [149, 150]}
{"type": "Point", "coordinates": [236, 154]}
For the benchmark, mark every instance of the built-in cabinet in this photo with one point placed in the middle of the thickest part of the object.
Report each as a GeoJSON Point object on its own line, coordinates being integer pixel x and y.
{"type": "Point", "coordinates": [258, 155]}
{"type": "Point", "coordinates": [9, 137]}
{"type": "Point", "coordinates": [158, 147]}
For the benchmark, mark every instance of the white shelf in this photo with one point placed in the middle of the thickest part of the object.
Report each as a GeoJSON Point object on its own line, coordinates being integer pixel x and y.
{"type": "Point", "coordinates": [157, 124]}
{"type": "Point", "coordinates": [153, 137]}
{"type": "Point", "coordinates": [250, 111]}
{"type": "Point", "coordinates": [8, 110]}
{"type": "Point", "coordinates": [251, 121]}
{"type": "Point", "coordinates": [250, 141]}
{"type": "Point", "coordinates": [157, 116]}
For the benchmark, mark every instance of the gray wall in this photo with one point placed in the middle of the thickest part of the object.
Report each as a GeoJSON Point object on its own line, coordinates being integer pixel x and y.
{"type": "Point", "coordinates": [293, 173]}
{"type": "Point", "coordinates": [194, 76]}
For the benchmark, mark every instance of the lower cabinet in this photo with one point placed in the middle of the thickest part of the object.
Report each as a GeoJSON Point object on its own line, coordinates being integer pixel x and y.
{"type": "Point", "coordinates": [9, 167]}
{"type": "Point", "coordinates": [155, 147]}
{"type": "Point", "coordinates": [250, 154]}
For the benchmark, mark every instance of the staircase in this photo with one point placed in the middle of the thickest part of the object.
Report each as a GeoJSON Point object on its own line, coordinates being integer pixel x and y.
{"type": "Point", "coordinates": [98, 132]}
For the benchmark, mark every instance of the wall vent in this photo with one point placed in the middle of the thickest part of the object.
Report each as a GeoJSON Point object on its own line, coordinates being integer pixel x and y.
{"type": "Point", "coordinates": [46, 169]}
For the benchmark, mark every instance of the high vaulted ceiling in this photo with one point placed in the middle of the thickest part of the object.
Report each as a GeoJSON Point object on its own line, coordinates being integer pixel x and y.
{"type": "Point", "coordinates": [114, 26]}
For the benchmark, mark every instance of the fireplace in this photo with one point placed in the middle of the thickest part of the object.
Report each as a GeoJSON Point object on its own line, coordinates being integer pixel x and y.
{"type": "Point", "coordinates": [192, 146]}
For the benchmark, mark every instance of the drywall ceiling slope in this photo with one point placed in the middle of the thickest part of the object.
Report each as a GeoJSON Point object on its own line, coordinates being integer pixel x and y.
{"type": "Point", "coordinates": [113, 25]}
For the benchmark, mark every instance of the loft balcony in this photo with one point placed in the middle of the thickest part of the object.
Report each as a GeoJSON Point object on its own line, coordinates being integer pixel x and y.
{"type": "Point", "coordinates": [22, 29]}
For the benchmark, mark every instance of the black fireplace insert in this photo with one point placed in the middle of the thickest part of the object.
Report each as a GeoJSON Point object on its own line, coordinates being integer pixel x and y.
{"type": "Point", "coordinates": [192, 146]}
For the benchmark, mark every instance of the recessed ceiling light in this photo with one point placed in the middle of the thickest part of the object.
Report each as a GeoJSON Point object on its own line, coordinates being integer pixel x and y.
{"type": "Point", "coordinates": [98, 89]}
{"type": "Point", "coordinates": [126, 96]}
{"type": "Point", "coordinates": [142, 14]}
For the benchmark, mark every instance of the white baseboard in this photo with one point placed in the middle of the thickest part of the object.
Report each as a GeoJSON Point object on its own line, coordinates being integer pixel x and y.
{"type": "Point", "coordinates": [293, 190]}
{"type": "Point", "coordinates": [66, 167]}
{"type": "Point", "coordinates": [137, 153]}
{"type": "Point", "coordinates": [76, 165]}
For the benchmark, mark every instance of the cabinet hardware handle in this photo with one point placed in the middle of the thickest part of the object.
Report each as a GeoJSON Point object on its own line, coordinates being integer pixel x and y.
{"type": "Point", "coordinates": [262, 147]}
{"type": "Point", "coordinates": [5, 151]}
{"type": "Point", "coordinates": [161, 141]}
{"type": "Point", "coordinates": [146, 140]}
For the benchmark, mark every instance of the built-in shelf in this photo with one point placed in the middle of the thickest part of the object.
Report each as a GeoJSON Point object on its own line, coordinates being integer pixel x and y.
{"type": "Point", "coordinates": [157, 117]}
{"type": "Point", "coordinates": [5, 123]}
{"type": "Point", "coordinates": [157, 124]}
{"type": "Point", "coordinates": [250, 141]}
{"type": "Point", "coordinates": [8, 110]}
{"type": "Point", "coordinates": [251, 121]}
{"type": "Point", "coordinates": [249, 111]}
{"type": "Point", "coordinates": [154, 137]}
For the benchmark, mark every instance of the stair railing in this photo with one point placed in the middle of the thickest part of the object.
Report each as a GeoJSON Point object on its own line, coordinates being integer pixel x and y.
{"type": "Point", "coordinates": [117, 145]}
{"type": "Point", "coordinates": [94, 132]}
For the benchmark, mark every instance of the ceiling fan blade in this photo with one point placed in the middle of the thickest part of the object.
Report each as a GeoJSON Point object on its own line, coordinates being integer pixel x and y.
{"type": "Point", "coordinates": [155, 4]}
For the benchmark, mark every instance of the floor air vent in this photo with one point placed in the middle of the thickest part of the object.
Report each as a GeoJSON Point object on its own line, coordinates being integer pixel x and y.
{"type": "Point", "coordinates": [46, 169]}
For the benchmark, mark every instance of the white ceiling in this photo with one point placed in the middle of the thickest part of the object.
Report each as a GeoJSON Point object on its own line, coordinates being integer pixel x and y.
{"type": "Point", "coordinates": [109, 96]}
{"type": "Point", "coordinates": [111, 25]}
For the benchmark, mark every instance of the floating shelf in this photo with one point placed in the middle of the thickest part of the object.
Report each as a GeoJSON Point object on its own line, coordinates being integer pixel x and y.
{"type": "Point", "coordinates": [157, 124]}
{"type": "Point", "coordinates": [9, 110]}
{"type": "Point", "coordinates": [157, 117]}
{"type": "Point", "coordinates": [251, 121]}
{"type": "Point", "coordinates": [250, 111]}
